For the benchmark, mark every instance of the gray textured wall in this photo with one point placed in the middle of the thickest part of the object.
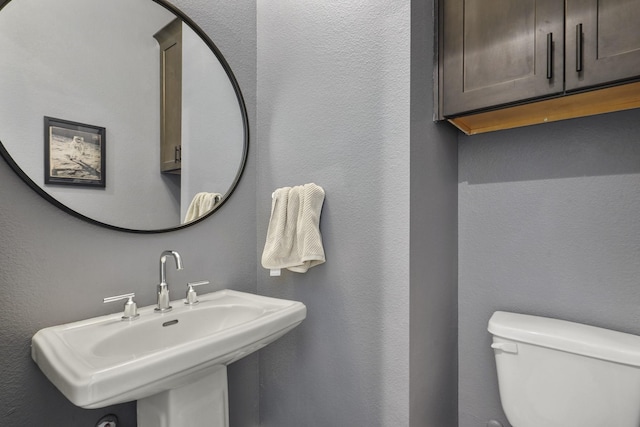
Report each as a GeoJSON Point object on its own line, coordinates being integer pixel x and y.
{"type": "Point", "coordinates": [434, 250]}
{"type": "Point", "coordinates": [343, 102]}
{"type": "Point", "coordinates": [334, 108]}
{"type": "Point", "coordinates": [548, 225]}
{"type": "Point", "coordinates": [56, 268]}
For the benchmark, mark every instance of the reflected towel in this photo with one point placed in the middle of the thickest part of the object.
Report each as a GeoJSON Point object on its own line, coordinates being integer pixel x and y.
{"type": "Point", "coordinates": [293, 237]}
{"type": "Point", "coordinates": [201, 204]}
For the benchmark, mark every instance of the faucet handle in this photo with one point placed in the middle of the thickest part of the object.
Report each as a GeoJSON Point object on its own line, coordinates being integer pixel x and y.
{"type": "Point", "coordinates": [130, 307]}
{"type": "Point", "coordinates": [192, 297]}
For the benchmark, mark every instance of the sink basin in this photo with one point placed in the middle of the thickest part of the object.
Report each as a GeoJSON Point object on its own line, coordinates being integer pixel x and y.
{"type": "Point", "coordinates": [105, 360]}
{"type": "Point", "coordinates": [151, 336]}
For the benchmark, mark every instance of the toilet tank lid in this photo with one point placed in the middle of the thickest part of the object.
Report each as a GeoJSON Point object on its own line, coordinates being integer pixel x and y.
{"type": "Point", "coordinates": [567, 336]}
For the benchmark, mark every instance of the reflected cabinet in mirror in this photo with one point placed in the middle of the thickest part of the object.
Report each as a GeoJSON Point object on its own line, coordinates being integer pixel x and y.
{"type": "Point", "coordinates": [113, 65]}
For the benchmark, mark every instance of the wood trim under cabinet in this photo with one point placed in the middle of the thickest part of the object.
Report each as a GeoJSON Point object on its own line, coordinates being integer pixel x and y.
{"type": "Point", "coordinates": [607, 100]}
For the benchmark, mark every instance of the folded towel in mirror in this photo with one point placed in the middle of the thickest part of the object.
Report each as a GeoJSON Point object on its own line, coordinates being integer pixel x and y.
{"type": "Point", "coordinates": [201, 204]}
{"type": "Point", "coordinates": [293, 239]}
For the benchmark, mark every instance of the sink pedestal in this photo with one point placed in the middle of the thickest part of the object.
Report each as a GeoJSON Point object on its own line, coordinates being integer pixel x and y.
{"type": "Point", "coordinates": [201, 403]}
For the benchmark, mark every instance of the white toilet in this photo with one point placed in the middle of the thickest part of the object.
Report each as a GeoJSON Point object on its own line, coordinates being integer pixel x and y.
{"type": "Point", "coordinates": [554, 373]}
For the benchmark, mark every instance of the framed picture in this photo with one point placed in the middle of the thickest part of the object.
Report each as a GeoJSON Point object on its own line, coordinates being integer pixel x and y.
{"type": "Point", "coordinates": [74, 153]}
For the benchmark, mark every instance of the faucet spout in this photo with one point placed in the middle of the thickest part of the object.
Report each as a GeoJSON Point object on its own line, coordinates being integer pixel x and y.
{"type": "Point", "coordinates": [163, 264]}
{"type": "Point", "coordinates": [163, 287]}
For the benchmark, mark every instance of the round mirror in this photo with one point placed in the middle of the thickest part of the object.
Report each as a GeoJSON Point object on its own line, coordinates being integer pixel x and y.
{"type": "Point", "coordinates": [121, 112]}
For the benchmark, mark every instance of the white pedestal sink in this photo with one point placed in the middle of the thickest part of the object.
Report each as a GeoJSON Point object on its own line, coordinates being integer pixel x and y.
{"type": "Point", "coordinates": [174, 364]}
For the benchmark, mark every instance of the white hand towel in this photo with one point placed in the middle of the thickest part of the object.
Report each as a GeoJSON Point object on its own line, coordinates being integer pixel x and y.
{"type": "Point", "coordinates": [201, 204]}
{"type": "Point", "coordinates": [293, 237]}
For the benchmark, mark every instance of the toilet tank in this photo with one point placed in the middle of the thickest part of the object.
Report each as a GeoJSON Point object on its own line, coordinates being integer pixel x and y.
{"type": "Point", "coordinates": [554, 373]}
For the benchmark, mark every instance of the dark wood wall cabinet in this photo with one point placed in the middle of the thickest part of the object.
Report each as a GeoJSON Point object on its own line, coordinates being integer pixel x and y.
{"type": "Point", "coordinates": [170, 41]}
{"type": "Point", "coordinates": [510, 63]}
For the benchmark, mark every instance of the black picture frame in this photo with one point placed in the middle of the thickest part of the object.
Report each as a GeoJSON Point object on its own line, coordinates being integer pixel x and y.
{"type": "Point", "coordinates": [74, 153]}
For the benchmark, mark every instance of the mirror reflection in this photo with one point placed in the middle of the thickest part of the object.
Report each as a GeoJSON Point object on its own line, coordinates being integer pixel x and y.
{"type": "Point", "coordinates": [101, 64]}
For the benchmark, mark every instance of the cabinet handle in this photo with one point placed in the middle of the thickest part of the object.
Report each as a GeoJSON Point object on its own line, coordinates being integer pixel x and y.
{"type": "Point", "coordinates": [176, 154]}
{"type": "Point", "coordinates": [549, 56]}
{"type": "Point", "coordinates": [578, 48]}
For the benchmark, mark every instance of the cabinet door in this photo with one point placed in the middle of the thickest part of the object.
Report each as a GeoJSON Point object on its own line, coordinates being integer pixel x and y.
{"type": "Point", "coordinates": [170, 42]}
{"type": "Point", "coordinates": [171, 108]}
{"type": "Point", "coordinates": [500, 51]}
{"type": "Point", "coordinates": [603, 42]}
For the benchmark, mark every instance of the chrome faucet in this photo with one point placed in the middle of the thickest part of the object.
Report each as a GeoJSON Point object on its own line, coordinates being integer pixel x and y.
{"type": "Point", "coordinates": [163, 287]}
